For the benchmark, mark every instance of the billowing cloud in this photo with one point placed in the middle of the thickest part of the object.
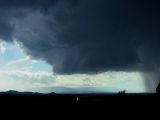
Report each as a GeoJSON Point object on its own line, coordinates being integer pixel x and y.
{"type": "Point", "coordinates": [20, 64]}
{"type": "Point", "coordinates": [24, 80]}
{"type": "Point", "coordinates": [86, 36]}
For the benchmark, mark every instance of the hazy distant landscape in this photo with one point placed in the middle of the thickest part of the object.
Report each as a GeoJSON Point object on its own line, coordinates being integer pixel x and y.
{"type": "Point", "coordinates": [77, 90]}
{"type": "Point", "coordinates": [66, 90]}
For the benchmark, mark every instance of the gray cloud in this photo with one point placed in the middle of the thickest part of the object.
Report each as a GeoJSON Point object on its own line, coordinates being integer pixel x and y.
{"type": "Point", "coordinates": [86, 36]}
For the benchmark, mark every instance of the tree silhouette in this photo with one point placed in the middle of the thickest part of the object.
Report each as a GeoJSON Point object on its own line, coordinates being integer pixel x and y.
{"type": "Point", "coordinates": [158, 88]}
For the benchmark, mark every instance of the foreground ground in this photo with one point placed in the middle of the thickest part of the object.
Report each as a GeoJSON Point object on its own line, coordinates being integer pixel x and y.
{"type": "Point", "coordinates": [13, 97]}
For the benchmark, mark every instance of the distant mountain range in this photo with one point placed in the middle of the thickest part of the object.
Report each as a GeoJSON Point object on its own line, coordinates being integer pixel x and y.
{"type": "Point", "coordinates": [65, 90]}
{"type": "Point", "coordinates": [77, 90]}
{"type": "Point", "coordinates": [13, 92]}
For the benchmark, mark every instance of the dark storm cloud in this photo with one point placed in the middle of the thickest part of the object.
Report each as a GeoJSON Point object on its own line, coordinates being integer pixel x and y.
{"type": "Point", "coordinates": [18, 8]}
{"type": "Point", "coordinates": [9, 4]}
{"type": "Point", "coordinates": [85, 36]}
{"type": "Point", "coordinates": [89, 36]}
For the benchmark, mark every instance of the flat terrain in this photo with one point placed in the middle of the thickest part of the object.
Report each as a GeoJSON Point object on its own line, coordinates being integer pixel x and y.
{"type": "Point", "coordinates": [13, 98]}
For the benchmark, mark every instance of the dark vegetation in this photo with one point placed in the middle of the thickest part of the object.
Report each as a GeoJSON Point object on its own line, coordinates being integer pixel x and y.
{"type": "Point", "coordinates": [121, 98]}
{"type": "Point", "coordinates": [25, 99]}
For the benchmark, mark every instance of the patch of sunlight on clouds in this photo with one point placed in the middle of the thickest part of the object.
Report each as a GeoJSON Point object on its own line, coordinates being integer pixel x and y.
{"type": "Point", "coordinates": [26, 80]}
{"type": "Point", "coordinates": [129, 81]}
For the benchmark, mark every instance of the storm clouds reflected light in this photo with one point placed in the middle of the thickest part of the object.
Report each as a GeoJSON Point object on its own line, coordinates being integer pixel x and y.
{"type": "Point", "coordinates": [43, 81]}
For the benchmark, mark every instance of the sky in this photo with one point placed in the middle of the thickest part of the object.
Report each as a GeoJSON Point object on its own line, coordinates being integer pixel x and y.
{"type": "Point", "coordinates": [79, 43]}
{"type": "Point", "coordinates": [20, 72]}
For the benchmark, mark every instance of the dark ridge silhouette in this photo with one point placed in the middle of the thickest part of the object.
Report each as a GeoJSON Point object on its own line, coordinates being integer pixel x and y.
{"type": "Point", "coordinates": [16, 93]}
{"type": "Point", "coordinates": [120, 98]}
